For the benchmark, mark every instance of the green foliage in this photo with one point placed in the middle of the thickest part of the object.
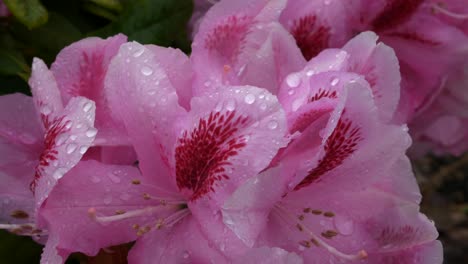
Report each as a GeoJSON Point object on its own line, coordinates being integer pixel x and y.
{"type": "Point", "coordinates": [18, 249]}
{"type": "Point", "coordinates": [30, 12]}
{"type": "Point", "coordinates": [42, 30]}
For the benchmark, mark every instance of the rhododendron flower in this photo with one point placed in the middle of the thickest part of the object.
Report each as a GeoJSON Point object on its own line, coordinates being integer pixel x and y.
{"type": "Point", "coordinates": [190, 161]}
{"type": "Point", "coordinates": [348, 196]}
{"type": "Point", "coordinates": [42, 140]}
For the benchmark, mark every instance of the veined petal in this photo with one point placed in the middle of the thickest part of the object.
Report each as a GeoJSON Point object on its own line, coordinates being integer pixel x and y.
{"type": "Point", "coordinates": [80, 70]}
{"type": "Point", "coordinates": [46, 94]}
{"type": "Point", "coordinates": [142, 96]}
{"type": "Point", "coordinates": [67, 138]}
{"type": "Point", "coordinates": [227, 138]}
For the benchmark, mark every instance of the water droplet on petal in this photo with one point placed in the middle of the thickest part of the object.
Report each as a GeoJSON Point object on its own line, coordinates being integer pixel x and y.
{"type": "Point", "coordinates": [343, 225]}
{"type": "Point", "coordinates": [335, 81]}
{"type": "Point", "coordinates": [230, 105]}
{"type": "Point", "coordinates": [87, 106]}
{"type": "Point", "coordinates": [91, 132]}
{"type": "Point", "coordinates": [60, 140]}
{"type": "Point", "coordinates": [58, 173]}
{"type": "Point", "coordinates": [310, 73]}
{"type": "Point", "coordinates": [218, 107]}
{"type": "Point", "coordinates": [46, 110]}
{"type": "Point", "coordinates": [83, 149]}
{"type": "Point", "coordinates": [107, 200]}
{"type": "Point", "coordinates": [73, 137]}
{"type": "Point", "coordinates": [291, 92]}
{"type": "Point", "coordinates": [273, 124]}
{"type": "Point", "coordinates": [114, 178]}
{"type": "Point", "coordinates": [138, 53]}
{"type": "Point", "coordinates": [69, 124]}
{"type": "Point", "coordinates": [95, 179]}
{"type": "Point", "coordinates": [263, 106]}
{"type": "Point", "coordinates": [70, 148]}
{"type": "Point", "coordinates": [293, 80]}
{"type": "Point", "coordinates": [147, 71]}
{"type": "Point", "coordinates": [249, 99]}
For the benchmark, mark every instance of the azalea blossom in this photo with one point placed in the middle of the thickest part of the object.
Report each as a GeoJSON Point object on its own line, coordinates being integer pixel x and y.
{"type": "Point", "coordinates": [337, 200]}
{"type": "Point", "coordinates": [191, 158]}
{"type": "Point", "coordinates": [41, 141]}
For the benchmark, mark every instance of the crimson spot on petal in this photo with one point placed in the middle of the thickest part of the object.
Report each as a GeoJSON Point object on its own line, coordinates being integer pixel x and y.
{"type": "Point", "coordinates": [202, 154]}
{"type": "Point", "coordinates": [49, 154]}
{"type": "Point", "coordinates": [341, 143]}
{"type": "Point", "coordinates": [91, 77]}
{"type": "Point", "coordinates": [323, 94]}
{"type": "Point", "coordinates": [228, 38]}
{"type": "Point", "coordinates": [311, 37]}
{"type": "Point", "coordinates": [395, 13]}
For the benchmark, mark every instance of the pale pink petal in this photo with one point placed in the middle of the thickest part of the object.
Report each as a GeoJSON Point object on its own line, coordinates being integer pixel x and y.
{"type": "Point", "coordinates": [246, 212]}
{"type": "Point", "coordinates": [265, 255]}
{"type": "Point", "coordinates": [378, 63]}
{"type": "Point", "coordinates": [80, 70]}
{"type": "Point", "coordinates": [178, 69]}
{"type": "Point", "coordinates": [141, 95]}
{"type": "Point", "coordinates": [51, 254]}
{"type": "Point", "coordinates": [238, 41]}
{"type": "Point", "coordinates": [45, 92]}
{"type": "Point", "coordinates": [238, 130]}
{"type": "Point", "coordinates": [183, 243]}
{"type": "Point", "coordinates": [88, 191]}
{"type": "Point", "coordinates": [357, 146]}
{"type": "Point", "coordinates": [20, 129]}
{"type": "Point", "coordinates": [67, 138]}
{"type": "Point", "coordinates": [429, 253]}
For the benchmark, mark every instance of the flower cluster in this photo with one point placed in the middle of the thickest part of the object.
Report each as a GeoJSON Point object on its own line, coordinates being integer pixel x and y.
{"type": "Point", "coordinates": [281, 139]}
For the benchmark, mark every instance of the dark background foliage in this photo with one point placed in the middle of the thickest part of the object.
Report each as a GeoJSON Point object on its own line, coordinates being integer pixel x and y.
{"type": "Point", "coordinates": [42, 28]}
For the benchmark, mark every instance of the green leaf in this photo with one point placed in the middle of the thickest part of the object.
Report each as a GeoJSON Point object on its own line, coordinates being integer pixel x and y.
{"type": "Point", "coordinates": [46, 41]}
{"type": "Point", "coordinates": [12, 63]}
{"type": "Point", "coordinates": [18, 249]}
{"type": "Point", "coordinates": [161, 22]}
{"type": "Point", "coordinates": [29, 12]}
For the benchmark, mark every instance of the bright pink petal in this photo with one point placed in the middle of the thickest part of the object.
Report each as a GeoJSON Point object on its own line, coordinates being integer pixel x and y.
{"type": "Point", "coordinates": [266, 255]}
{"type": "Point", "coordinates": [379, 65]}
{"type": "Point", "coordinates": [183, 243]}
{"type": "Point", "coordinates": [238, 131]}
{"type": "Point", "coordinates": [67, 138]}
{"type": "Point", "coordinates": [80, 70]}
{"type": "Point", "coordinates": [106, 190]}
{"type": "Point", "coordinates": [141, 95]}
{"type": "Point", "coordinates": [45, 92]}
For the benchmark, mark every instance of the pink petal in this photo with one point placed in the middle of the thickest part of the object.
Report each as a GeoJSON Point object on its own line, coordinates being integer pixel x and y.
{"type": "Point", "coordinates": [379, 65]}
{"type": "Point", "coordinates": [429, 253]}
{"type": "Point", "coordinates": [238, 130]}
{"type": "Point", "coordinates": [20, 129]}
{"type": "Point", "coordinates": [141, 95]}
{"type": "Point", "coordinates": [183, 243]}
{"type": "Point", "coordinates": [67, 138]}
{"type": "Point", "coordinates": [80, 70]}
{"type": "Point", "coordinates": [178, 69]}
{"type": "Point", "coordinates": [266, 255]}
{"type": "Point", "coordinates": [107, 189]}
{"type": "Point", "coordinates": [45, 92]}
{"type": "Point", "coordinates": [238, 44]}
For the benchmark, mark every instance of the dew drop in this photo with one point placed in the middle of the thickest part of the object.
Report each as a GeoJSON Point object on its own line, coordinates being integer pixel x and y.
{"type": "Point", "coordinates": [73, 137]}
{"type": "Point", "coordinates": [185, 255]}
{"type": "Point", "coordinates": [79, 125]}
{"type": "Point", "coordinates": [263, 106]}
{"type": "Point", "coordinates": [70, 148]}
{"type": "Point", "coordinates": [230, 105]}
{"type": "Point", "coordinates": [68, 125]}
{"type": "Point", "coordinates": [87, 106]}
{"type": "Point", "coordinates": [147, 71]}
{"type": "Point", "coordinates": [124, 196]}
{"type": "Point", "coordinates": [83, 149]}
{"type": "Point", "coordinates": [272, 124]}
{"type": "Point", "coordinates": [249, 99]}
{"type": "Point", "coordinates": [138, 53]}
{"type": "Point", "coordinates": [60, 140]}
{"type": "Point", "coordinates": [95, 179]}
{"type": "Point", "coordinates": [310, 73]}
{"type": "Point", "coordinates": [291, 92]}
{"type": "Point", "coordinates": [335, 81]}
{"type": "Point", "coordinates": [107, 200]}
{"type": "Point", "coordinates": [293, 80]}
{"type": "Point", "coordinates": [114, 178]}
{"type": "Point", "coordinates": [46, 110]}
{"type": "Point", "coordinates": [344, 225]}
{"type": "Point", "coordinates": [58, 173]}
{"type": "Point", "coordinates": [91, 132]}
{"type": "Point", "coordinates": [218, 107]}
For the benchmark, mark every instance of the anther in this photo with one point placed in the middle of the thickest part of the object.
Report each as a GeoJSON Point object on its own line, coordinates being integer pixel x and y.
{"type": "Point", "coordinates": [305, 243]}
{"type": "Point", "coordinates": [440, 8]}
{"type": "Point", "coordinates": [136, 181]}
{"type": "Point", "coordinates": [316, 212]}
{"type": "Point", "coordinates": [19, 214]}
{"type": "Point", "coordinates": [307, 210]}
{"type": "Point", "coordinates": [299, 227]}
{"type": "Point", "coordinates": [136, 226]}
{"type": "Point", "coordinates": [329, 234]}
{"type": "Point", "coordinates": [301, 217]}
{"type": "Point", "coordinates": [119, 212]}
{"type": "Point", "coordinates": [329, 214]}
{"type": "Point", "coordinates": [146, 196]}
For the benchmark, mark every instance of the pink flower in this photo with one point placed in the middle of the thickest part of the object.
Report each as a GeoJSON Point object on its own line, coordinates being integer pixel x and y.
{"type": "Point", "coordinates": [191, 157]}
{"type": "Point", "coordinates": [41, 140]}
{"type": "Point", "coordinates": [344, 192]}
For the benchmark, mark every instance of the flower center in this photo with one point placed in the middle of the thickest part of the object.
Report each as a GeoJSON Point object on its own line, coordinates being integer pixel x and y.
{"type": "Point", "coordinates": [439, 8]}
{"type": "Point", "coordinates": [395, 13]}
{"type": "Point", "coordinates": [310, 35]}
{"type": "Point", "coordinates": [312, 239]}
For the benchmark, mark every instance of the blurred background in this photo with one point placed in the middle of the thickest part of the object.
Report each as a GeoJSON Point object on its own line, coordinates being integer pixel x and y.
{"type": "Point", "coordinates": [42, 29]}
